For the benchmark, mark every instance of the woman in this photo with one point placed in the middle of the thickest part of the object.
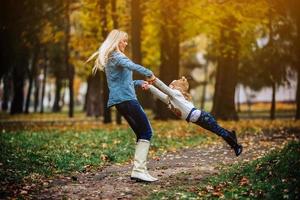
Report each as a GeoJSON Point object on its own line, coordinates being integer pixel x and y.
{"type": "Point", "coordinates": [119, 69]}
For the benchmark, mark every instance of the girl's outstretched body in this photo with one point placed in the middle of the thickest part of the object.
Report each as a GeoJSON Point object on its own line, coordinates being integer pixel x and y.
{"type": "Point", "coordinates": [178, 99]}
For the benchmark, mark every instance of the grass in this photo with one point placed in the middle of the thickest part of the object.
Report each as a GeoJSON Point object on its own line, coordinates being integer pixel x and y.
{"type": "Point", "coordinates": [33, 151]}
{"type": "Point", "coordinates": [26, 154]}
{"type": "Point", "coordinates": [275, 176]}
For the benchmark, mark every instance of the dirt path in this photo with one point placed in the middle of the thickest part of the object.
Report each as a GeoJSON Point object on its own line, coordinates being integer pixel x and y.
{"type": "Point", "coordinates": [188, 166]}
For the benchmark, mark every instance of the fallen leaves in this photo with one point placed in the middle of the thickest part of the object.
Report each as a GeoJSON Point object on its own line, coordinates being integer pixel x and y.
{"type": "Point", "coordinates": [104, 157]}
{"type": "Point", "coordinates": [175, 132]}
{"type": "Point", "coordinates": [215, 191]}
{"type": "Point", "coordinates": [244, 181]}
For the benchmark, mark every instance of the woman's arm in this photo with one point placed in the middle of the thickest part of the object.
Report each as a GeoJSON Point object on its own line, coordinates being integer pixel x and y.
{"type": "Point", "coordinates": [159, 94]}
{"type": "Point", "coordinates": [123, 61]}
{"type": "Point", "coordinates": [138, 83]}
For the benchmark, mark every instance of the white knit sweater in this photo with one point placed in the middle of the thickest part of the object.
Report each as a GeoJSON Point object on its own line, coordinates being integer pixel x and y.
{"type": "Point", "coordinates": [175, 100]}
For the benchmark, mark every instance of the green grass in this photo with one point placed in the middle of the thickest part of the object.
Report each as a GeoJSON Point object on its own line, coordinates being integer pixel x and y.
{"type": "Point", "coordinates": [45, 153]}
{"type": "Point", "coordinates": [275, 176]}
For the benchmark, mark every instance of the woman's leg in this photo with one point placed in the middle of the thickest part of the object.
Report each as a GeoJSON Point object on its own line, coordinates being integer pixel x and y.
{"type": "Point", "coordinates": [207, 121]}
{"type": "Point", "coordinates": [138, 121]}
{"type": "Point", "coordinates": [136, 118]}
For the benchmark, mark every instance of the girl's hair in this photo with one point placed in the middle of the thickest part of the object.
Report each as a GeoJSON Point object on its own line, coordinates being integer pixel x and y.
{"type": "Point", "coordinates": [183, 86]}
{"type": "Point", "coordinates": [110, 44]}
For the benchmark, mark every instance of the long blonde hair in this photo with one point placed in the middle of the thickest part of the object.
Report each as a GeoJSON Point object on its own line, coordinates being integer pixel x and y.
{"type": "Point", "coordinates": [110, 44]}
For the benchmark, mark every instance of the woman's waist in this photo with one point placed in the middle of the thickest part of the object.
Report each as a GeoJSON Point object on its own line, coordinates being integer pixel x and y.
{"type": "Point", "coordinates": [121, 93]}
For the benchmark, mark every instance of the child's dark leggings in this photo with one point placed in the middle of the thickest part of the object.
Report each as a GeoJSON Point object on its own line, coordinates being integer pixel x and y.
{"type": "Point", "coordinates": [207, 121]}
{"type": "Point", "coordinates": [135, 116]}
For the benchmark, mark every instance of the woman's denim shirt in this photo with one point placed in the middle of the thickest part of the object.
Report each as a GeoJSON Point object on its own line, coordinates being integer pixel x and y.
{"type": "Point", "coordinates": [118, 71]}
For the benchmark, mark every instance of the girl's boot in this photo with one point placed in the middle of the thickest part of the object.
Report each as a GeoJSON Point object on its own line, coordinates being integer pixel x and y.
{"type": "Point", "coordinates": [232, 141]}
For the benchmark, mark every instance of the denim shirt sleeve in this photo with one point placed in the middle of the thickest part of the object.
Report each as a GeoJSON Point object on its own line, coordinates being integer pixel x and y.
{"type": "Point", "coordinates": [127, 63]}
{"type": "Point", "coordinates": [138, 83]}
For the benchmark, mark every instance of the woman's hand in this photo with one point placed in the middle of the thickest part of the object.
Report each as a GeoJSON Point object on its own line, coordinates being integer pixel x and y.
{"type": "Point", "coordinates": [151, 79]}
{"type": "Point", "coordinates": [145, 85]}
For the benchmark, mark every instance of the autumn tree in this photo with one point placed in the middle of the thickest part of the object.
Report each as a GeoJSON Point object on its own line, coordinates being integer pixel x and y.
{"type": "Point", "coordinates": [292, 10]}
{"type": "Point", "coordinates": [227, 70]}
{"type": "Point", "coordinates": [169, 50]}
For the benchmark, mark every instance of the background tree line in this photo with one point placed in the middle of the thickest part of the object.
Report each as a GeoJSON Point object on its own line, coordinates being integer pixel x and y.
{"type": "Point", "coordinates": [53, 38]}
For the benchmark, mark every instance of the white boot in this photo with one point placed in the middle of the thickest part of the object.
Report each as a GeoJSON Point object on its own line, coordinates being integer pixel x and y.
{"type": "Point", "coordinates": [139, 171]}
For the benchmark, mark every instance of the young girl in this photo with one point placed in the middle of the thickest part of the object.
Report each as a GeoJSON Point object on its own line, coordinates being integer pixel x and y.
{"type": "Point", "coordinates": [118, 69]}
{"type": "Point", "coordinates": [178, 99]}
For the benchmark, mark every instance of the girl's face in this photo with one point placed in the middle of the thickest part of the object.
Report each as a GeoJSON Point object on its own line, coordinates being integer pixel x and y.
{"type": "Point", "coordinates": [122, 44]}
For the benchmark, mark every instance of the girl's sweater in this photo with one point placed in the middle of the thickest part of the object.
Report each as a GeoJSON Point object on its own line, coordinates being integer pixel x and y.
{"type": "Point", "coordinates": [176, 101]}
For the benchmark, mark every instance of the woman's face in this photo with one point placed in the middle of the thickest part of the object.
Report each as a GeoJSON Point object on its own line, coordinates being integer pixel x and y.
{"type": "Point", "coordinates": [122, 44]}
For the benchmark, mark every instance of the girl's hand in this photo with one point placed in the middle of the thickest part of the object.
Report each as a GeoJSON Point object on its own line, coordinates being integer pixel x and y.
{"type": "Point", "coordinates": [151, 79]}
{"type": "Point", "coordinates": [145, 85]}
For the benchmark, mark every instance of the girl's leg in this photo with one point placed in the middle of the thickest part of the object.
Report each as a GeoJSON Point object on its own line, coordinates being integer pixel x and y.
{"type": "Point", "coordinates": [207, 121]}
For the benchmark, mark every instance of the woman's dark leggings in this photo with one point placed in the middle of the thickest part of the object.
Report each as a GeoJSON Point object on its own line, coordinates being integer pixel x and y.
{"type": "Point", "coordinates": [207, 121]}
{"type": "Point", "coordinates": [135, 116]}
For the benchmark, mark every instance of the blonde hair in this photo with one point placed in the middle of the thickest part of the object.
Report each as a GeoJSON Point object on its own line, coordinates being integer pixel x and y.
{"type": "Point", "coordinates": [110, 44]}
{"type": "Point", "coordinates": [183, 86]}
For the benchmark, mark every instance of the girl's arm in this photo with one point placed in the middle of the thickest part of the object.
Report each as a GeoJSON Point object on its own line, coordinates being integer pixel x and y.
{"type": "Point", "coordinates": [123, 61]}
{"type": "Point", "coordinates": [163, 87]}
{"type": "Point", "coordinates": [159, 94]}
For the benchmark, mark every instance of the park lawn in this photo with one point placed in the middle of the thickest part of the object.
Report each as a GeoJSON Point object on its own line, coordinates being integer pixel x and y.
{"type": "Point", "coordinates": [44, 151]}
{"type": "Point", "coordinates": [274, 176]}
{"type": "Point", "coordinates": [30, 155]}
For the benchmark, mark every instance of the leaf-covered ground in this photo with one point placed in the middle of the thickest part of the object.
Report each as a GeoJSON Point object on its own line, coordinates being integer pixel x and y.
{"type": "Point", "coordinates": [86, 159]}
{"type": "Point", "coordinates": [274, 176]}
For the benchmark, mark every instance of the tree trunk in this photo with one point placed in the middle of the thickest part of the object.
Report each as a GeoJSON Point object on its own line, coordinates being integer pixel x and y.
{"type": "Point", "coordinates": [58, 85]}
{"type": "Point", "coordinates": [273, 104]}
{"type": "Point", "coordinates": [94, 99]}
{"type": "Point", "coordinates": [31, 75]}
{"type": "Point", "coordinates": [18, 84]}
{"type": "Point", "coordinates": [202, 105]}
{"type": "Point", "coordinates": [169, 52]}
{"type": "Point", "coordinates": [103, 14]}
{"type": "Point", "coordinates": [36, 92]}
{"type": "Point", "coordinates": [44, 82]}
{"type": "Point", "coordinates": [114, 14]}
{"type": "Point", "coordinates": [71, 90]}
{"type": "Point", "coordinates": [136, 27]}
{"type": "Point", "coordinates": [70, 68]}
{"type": "Point", "coordinates": [107, 111]}
{"type": "Point", "coordinates": [298, 94]}
{"type": "Point", "coordinates": [226, 75]}
{"type": "Point", "coordinates": [7, 88]}
{"type": "Point", "coordinates": [27, 103]}
{"type": "Point", "coordinates": [297, 44]}
{"type": "Point", "coordinates": [114, 17]}
{"type": "Point", "coordinates": [238, 106]}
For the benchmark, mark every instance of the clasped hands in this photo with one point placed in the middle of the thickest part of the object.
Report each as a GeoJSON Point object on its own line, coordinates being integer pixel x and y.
{"type": "Point", "coordinates": [149, 81]}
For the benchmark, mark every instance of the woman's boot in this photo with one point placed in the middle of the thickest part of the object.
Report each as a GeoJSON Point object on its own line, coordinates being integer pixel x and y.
{"type": "Point", "coordinates": [139, 171]}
